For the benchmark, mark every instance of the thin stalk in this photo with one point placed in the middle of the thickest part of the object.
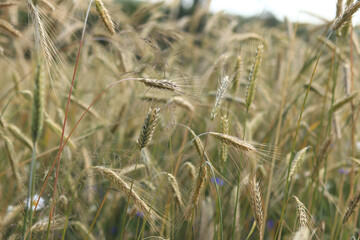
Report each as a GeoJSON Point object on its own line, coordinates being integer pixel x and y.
{"type": "Point", "coordinates": [29, 205]}
{"type": "Point", "coordinates": [71, 204]}
{"type": "Point", "coordinates": [286, 197]}
{"type": "Point", "coordinates": [97, 215]}
{"type": "Point", "coordinates": [65, 118]}
{"type": "Point", "coordinates": [73, 129]}
{"type": "Point", "coordinates": [218, 200]}
{"type": "Point", "coordinates": [239, 181]}
{"type": "Point", "coordinates": [127, 202]}
{"type": "Point", "coordinates": [278, 130]}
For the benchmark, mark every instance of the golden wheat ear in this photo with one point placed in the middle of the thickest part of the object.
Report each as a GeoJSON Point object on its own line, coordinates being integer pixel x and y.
{"type": "Point", "coordinates": [257, 205]}
{"type": "Point", "coordinates": [346, 16]}
{"type": "Point", "coordinates": [10, 28]}
{"type": "Point", "coordinates": [148, 129]}
{"type": "Point", "coordinates": [105, 16]}
{"type": "Point", "coordinates": [353, 205]}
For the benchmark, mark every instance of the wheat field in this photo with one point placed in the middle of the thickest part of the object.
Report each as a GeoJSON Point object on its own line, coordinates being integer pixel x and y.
{"type": "Point", "coordinates": [151, 120]}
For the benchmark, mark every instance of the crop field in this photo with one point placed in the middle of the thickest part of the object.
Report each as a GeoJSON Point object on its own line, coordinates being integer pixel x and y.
{"type": "Point", "coordinates": [151, 120]}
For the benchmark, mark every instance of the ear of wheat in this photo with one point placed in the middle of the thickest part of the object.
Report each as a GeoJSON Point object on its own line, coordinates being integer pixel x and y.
{"type": "Point", "coordinates": [257, 205]}
{"type": "Point", "coordinates": [148, 129]}
{"type": "Point", "coordinates": [10, 28]}
{"type": "Point", "coordinates": [38, 103]}
{"type": "Point", "coordinates": [105, 16]}
{"type": "Point", "coordinates": [224, 86]}
{"type": "Point", "coordinates": [250, 91]}
{"type": "Point", "coordinates": [123, 187]}
{"type": "Point", "coordinates": [353, 204]}
{"type": "Point", "coordinates": [233, 141]}
{"type": "Point", "coordinates": [195, 193]}
{"type": "Point", "coordinates": [302, 213]}
{"type": "Point", "coordinates": [224, 130]}
{"type": "Point", "coordinates": [175, 189]}
{"type": "Point", "coordinates": [162, 84]}
{"type": "Point", "coordinates": [345, 16]}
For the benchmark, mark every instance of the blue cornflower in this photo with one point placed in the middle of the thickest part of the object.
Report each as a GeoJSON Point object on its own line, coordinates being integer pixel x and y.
{"type": "Point", "coordinates": [218, 181]}
{"type": "Point", "coordinates": [139, 214]}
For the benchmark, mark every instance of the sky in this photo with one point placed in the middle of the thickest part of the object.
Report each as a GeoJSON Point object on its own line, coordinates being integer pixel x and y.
{"type": "Point", "coordinates": [293, 9]}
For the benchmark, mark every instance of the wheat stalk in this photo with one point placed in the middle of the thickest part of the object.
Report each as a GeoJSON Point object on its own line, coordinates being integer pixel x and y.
{"type": "Point", "coordinates": [82, 230]}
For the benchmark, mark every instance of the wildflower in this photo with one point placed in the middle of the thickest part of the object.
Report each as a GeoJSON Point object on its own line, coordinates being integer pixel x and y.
{"type": "Point", "coordinates": [344, 171]}
{"type": "Point", "coordinates": [139, 214]}
{"type": "Point", "coordinates": [218, 181]}
{"type": "Point", "coordinates": [270, 224]}
{"type": "Point", "coordinates": [34, 201]}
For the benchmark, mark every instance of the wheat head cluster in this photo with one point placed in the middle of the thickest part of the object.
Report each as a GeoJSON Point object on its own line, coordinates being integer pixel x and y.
{"type": "Point", "coordinates": [158, 120]}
